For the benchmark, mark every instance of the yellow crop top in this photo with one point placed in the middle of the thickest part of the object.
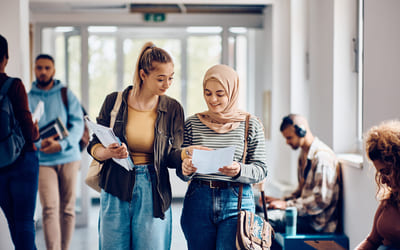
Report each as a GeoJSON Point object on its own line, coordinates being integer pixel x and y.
{"type": "Point", "coordinates": [140, 135]}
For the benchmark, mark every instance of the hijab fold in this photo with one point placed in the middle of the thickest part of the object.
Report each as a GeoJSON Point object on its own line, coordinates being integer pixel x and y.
{"type": "Point", "coordinates": [230, 118]}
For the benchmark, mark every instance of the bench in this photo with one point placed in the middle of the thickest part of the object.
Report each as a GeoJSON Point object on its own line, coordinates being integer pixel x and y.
{"type": "Point", "coordinates": [312, 241]}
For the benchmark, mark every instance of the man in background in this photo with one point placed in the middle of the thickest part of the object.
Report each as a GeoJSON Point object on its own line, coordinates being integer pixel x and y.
{"type": "Point", "coordinates": [59, 154]}
{"type": "Point", "coordinates": [317, 195]}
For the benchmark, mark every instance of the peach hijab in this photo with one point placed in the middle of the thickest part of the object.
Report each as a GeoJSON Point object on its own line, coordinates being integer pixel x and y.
{"type": "Point", "coordinates": [231, 116]}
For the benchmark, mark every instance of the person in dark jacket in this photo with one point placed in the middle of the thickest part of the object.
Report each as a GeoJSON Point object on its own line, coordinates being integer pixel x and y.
{"type": "Point", "coordinates": [19, 180]}
{"type": "Point", "coordinates": [135, 205]}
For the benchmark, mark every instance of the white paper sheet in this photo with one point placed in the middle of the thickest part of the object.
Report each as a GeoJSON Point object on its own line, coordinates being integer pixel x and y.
{"type": "Point", "coordinates": [39, 110]}
{"type": "Point", "coordinates": [106, 136]}
{"type": "Point", "coordinates": [208, 162]}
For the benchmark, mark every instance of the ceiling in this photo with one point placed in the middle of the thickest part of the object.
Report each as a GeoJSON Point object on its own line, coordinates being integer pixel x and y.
{"type": "Point", "coordinates": [223, 7]}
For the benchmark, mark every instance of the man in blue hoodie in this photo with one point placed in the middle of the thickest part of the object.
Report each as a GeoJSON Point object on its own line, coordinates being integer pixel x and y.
{"type": "Point", "coordinates": [59, 157]}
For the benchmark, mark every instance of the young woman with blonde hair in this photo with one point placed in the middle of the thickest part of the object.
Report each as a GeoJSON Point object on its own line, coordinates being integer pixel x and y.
{"type": "Point", "coordinates": [135, 205]}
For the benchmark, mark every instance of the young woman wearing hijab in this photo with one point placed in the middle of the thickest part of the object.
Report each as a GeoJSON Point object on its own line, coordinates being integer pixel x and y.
{"type": "Point", "coordinates": [209, 214]}
{"type": "Point", "coordinates": [135, 205]}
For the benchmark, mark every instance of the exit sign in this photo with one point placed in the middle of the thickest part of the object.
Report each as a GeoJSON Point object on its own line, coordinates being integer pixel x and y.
{"type": "Point", "coordinates": [154, 17]}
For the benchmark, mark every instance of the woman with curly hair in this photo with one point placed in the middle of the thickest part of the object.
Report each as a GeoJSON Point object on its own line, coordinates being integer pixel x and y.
{"type": "Point", "coordinates": [383, 149]}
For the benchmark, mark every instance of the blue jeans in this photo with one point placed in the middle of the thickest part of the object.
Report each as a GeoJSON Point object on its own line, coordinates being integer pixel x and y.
{"type": "Point", "coordinates": [209, 215]}
{"type": "Point", "coordinates": [18, 189]}
{"type": "Point", "coordinates": [131, 225]}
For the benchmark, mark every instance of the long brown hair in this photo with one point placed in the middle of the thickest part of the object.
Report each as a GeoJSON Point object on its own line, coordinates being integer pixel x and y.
{"type": "Point", "coordinates": [148, 55]}
{"type": "Point", "coordinates": [383, 144]}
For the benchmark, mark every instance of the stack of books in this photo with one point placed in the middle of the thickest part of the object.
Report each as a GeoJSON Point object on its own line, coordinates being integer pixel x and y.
{"type": "Point", "coordinates": [55, 127]}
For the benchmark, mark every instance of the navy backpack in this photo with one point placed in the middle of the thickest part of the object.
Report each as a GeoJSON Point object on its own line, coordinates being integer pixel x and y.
{"type": "Point", "coordinates": [11, 138]}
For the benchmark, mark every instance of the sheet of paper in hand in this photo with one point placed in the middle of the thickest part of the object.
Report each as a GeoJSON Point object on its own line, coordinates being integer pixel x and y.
{"type": "Point", "coordinates": [106, 136]}
{"type": "Point", "coordinates": [208, 162]}
{"type": "Point", "coordinates": [39, 110]}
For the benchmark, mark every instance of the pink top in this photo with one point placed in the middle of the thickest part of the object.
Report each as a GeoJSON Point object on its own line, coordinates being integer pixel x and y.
{"type": "Point", "coordinates": [386, 228]}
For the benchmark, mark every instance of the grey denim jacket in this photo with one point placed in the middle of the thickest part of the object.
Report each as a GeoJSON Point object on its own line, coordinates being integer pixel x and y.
{"type": "Point", "coordinates": [167, 150]}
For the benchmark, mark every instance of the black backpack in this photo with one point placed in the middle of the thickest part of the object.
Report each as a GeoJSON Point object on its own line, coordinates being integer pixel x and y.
{"type": "Point", "coordinates": [86, 134]}
{"type": "Point", "coordinates": [11, 138]}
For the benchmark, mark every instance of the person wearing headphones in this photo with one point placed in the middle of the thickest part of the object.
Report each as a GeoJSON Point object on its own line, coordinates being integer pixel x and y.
{"type": "Point", "coordinates": [317, 195]}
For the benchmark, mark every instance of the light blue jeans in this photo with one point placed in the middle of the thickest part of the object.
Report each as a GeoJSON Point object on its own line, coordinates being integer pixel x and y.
{"type": "Point", "coordinates": [131, 225]}
{"type": "Point", "coordinates": [209, 215]}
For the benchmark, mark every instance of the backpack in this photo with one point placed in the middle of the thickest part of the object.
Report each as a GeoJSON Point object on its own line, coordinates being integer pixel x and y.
{"type": "Point", "coordinates": [84, 141]}
{"type": "Point", "coordinates": [11, 138]}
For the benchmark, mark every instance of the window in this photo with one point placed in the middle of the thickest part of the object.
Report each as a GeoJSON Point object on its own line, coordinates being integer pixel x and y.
{"type": "Point", "coordinates": [64, 44]}
{"type": "Point", "coordinates": [203, 52]}
{"type": "Point", "coordinates": [359, 48]}
{"type": "Point", "coordinates": [112, 53]}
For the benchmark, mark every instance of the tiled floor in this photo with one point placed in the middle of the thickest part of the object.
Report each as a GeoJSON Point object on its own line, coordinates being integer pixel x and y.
{"type": "Point", "coordinates": [85, 238]}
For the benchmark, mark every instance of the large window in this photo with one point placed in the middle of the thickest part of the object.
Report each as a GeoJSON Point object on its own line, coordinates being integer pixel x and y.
{"type": "Point", "coordinates": [102, 70]}
{"type": "Point", "coordinates": [64, 44]}
{"type": "Point", "coordinates": [112, 52]}
{"type": "Point", "coordinates": [203, 52]}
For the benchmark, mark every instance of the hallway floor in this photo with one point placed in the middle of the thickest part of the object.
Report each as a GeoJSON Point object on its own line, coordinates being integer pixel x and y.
{"type": "Point", "coordinates": [85, 238]}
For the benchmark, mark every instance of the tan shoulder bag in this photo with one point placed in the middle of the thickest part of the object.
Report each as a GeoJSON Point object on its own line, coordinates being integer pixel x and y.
{"type": "Point", "coordinates": [93, 175]}
{"type": "Point", "coordinates": [253, 231]}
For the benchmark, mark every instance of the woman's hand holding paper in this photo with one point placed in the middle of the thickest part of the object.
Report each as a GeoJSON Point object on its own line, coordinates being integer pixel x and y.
{"type": "Point", "coordinates": [114, 150]}
{"type": "Point", "coordinates": [187, 167]}
{"type": "Point", "coordinates": [231, 170]}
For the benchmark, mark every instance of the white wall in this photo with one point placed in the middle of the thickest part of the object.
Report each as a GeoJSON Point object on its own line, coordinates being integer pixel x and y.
{"type": "Point", "coordinates": [14, 19]}
{"type": "Point", "coordinates": [299, 47]}
{"type": "Point", "coordinates": [358, 184]}
{"type": "Point", "coordinates": [345, 77]}
{"type": "Point", "coordinates": [382, 61]}
{"type": "Point", "coordinates": [381, 102]}
{"type": "Point", "coordinates": [280, 103]}
{"type": "Point", "coordinates": [321, 69]}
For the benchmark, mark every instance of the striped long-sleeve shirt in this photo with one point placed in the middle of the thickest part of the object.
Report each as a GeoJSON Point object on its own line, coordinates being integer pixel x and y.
{"type": "Point", "coordinates": [255, 169]}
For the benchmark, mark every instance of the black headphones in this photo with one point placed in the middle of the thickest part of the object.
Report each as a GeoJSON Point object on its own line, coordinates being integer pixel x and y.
{"type": "Point", "coordinates": [300, 132]}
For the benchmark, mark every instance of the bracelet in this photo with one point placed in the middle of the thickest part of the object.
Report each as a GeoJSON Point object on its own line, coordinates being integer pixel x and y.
{"type": "Point", "coordinates": [94, 149]}
{"type": "Point", "coordinates": [94, 153]}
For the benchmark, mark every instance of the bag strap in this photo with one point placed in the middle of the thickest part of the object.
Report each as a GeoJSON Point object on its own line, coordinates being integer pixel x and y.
{"type": "Point", "coordinates": [246, 134]}
{"type": "Point", "coordinates": [239, 206]}
{"type": "Point", "coordinates": [263, 201]}
{"type": "Point", "coordinates": [64, 97]}
{"type": "Point", "coordinates": [6, 85]}
{"type": "Point", "coordinates": [115, 109]}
